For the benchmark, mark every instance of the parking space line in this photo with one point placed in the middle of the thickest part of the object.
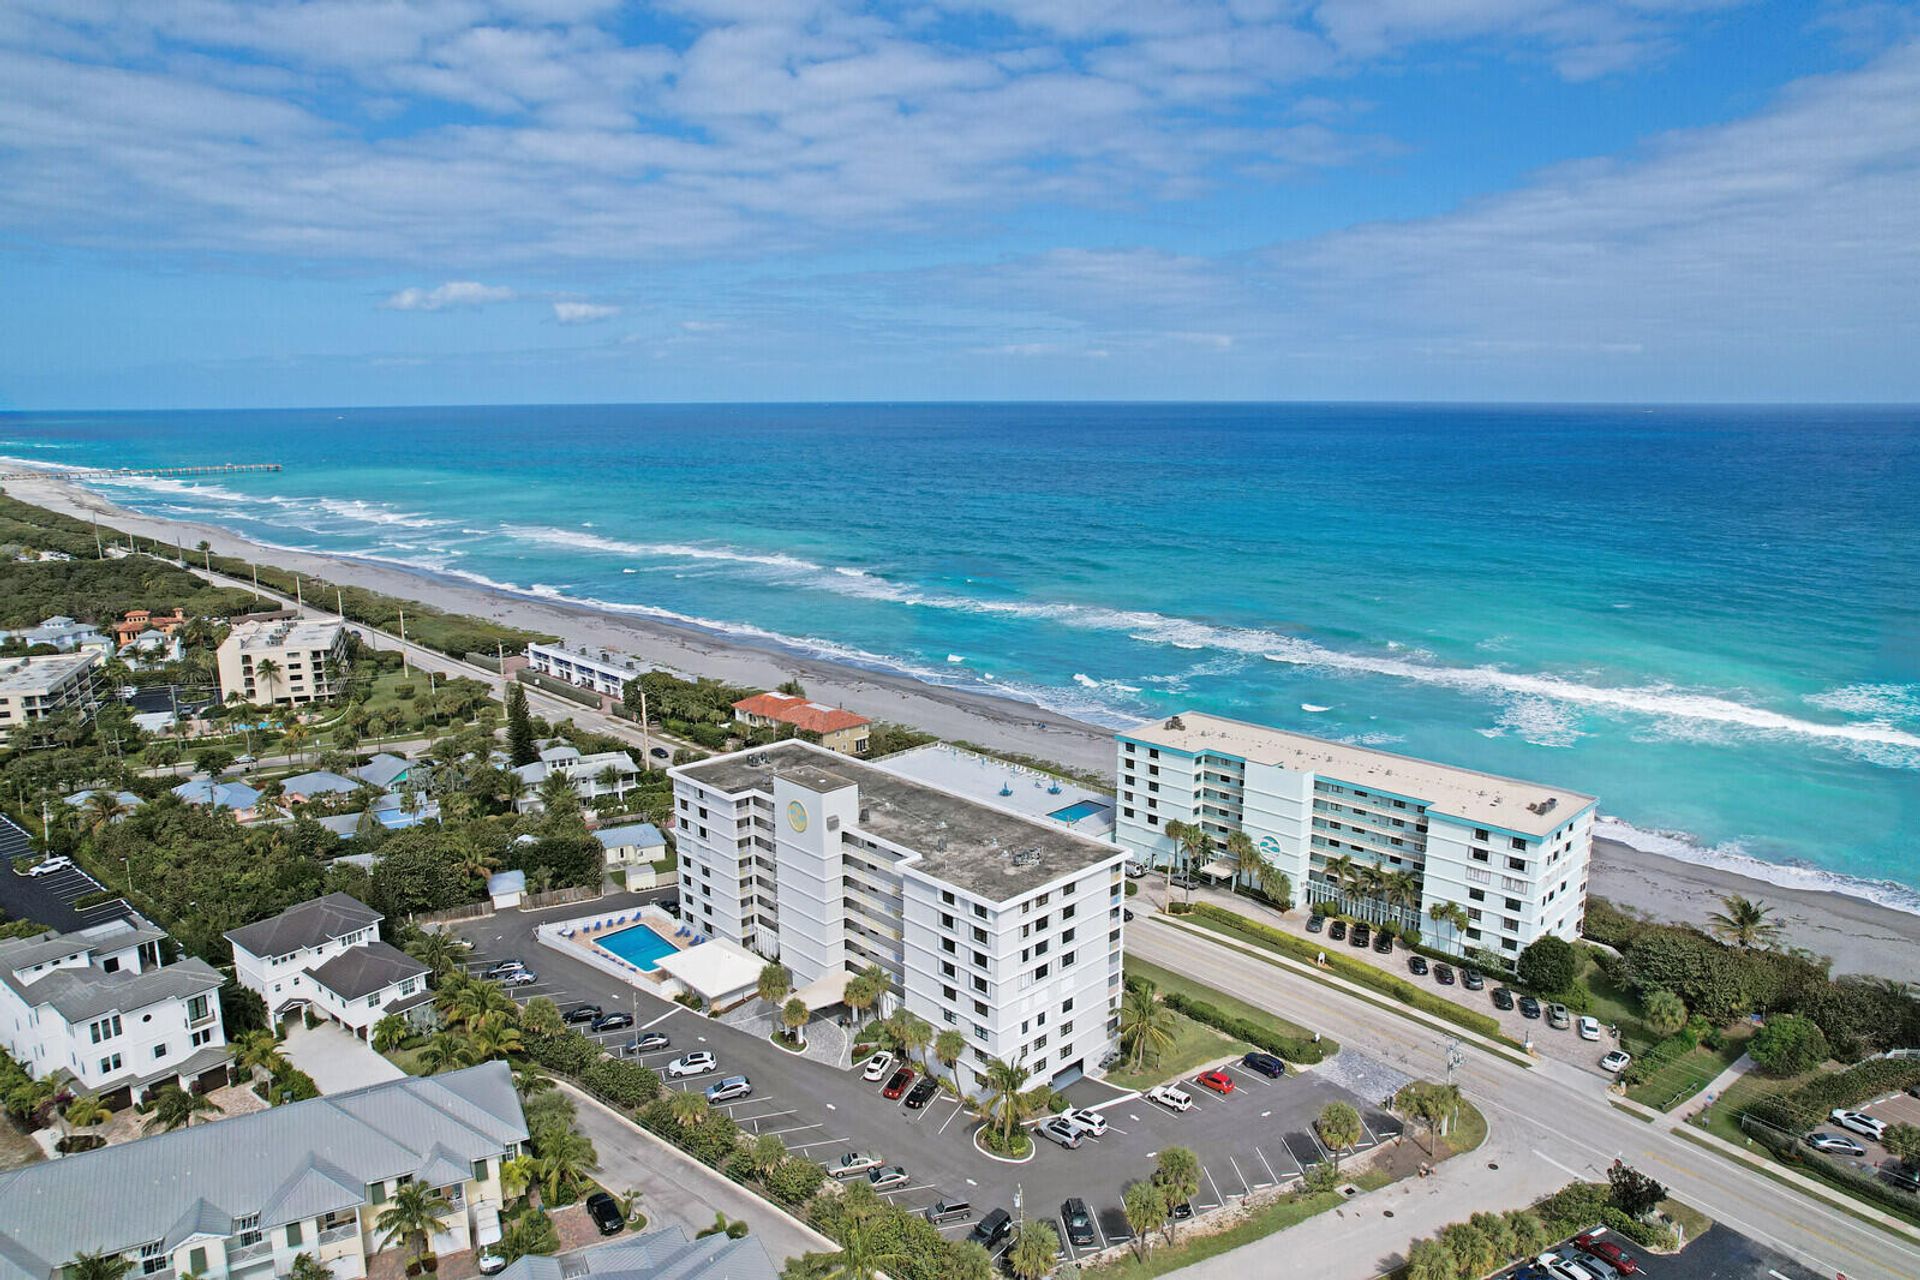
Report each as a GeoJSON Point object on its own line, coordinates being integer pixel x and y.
{"type": "Point", "coordinates": [1263, 1160]}
{"type": "Point", "coordinates": [1218, 1198]}
{"type": "Point", "coordinates": [662, 1018]}
{"type": "Point", "coordinates": [957, 1109]}
{"type": "Point", "coordinates": [817, 1142]}
{"type": "Point", "coordinates": [1245, 1186]}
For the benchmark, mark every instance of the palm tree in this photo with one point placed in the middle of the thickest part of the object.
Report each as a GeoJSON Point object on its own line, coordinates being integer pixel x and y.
{"type": "Point", "coordinates": [768, 1153]}
{"type": "Point", "coordinates": [86, 1111]}
{"type": "Point", "coordinates": [862, 1256]}
{"type": "Point", "coordinates": [1367, 881]}
{"type": "Point", "coordinates": [1339, 1128]}
{"type": "Point", "coordinates": [265, 672]}
{"type": "Point", "coordinates": [1664, 1011]}
{"type": "Point", "coordinates": [1145, 1207]}
{"type": "Point", "coordinates": [1196, 846]}
{"type": "Point", "coordinates": [947, 1047]}
{"type": "Point", "coordinates": [776, 982]}
{"type": "Point", "coordinates": [1006, 1103]}
{"type": "Point", "coordinates": [865, 989]}
{"type": "Point", "coordinates": [28, 1096]}
{"type": "Point", "coordinates": [1178, 1177]}
{"type": "Point", "coordinates": [517, 1175]}
{"type": "Point", "coordinates": [389, 1033]}
{"type": "Point", "coordinates": [557, 795]}
{"type": "Point", "coordinates": [1745, 922]}
{"type": "Point", "coordinates": [175, 1108]}
{"type": "Point", "coordinates": [493, 1037]}
{"type": "Point", "coordinates": [530, 1082]}
{"type": "Point", "coordinates": [445, 1050]}
{"type": "Point", "coordinates": [104, 808]}
{"type": "Point", "coordinates": [687, 1108]}
{"type": "Point", "coordinates": [909, 1031]}
{"type": "Point", "coordinates": [258, 1051]}
{"type": "Point", "coordinates": [1273, 883]}
{"type": "Point", "coordinates": [529, 1234]}
{"type": "Point", "coordinates": [307, 1267]}
{"type": "Point", "coordinates": [1034, 1250]}
{"type": "Point", "coordinates": [1146, 1025]}
{"type": "Point", "coordinates": [1245, 857]}
{"type": "Point", "coordinates": [564, 1161]}
{"type": "Point", "coordinates": [97, 1266]}
{"type": "Point", "coordinates": [1401, 889]}
{"type": "Point", "coordinates": [793, 1017]}
{"type": "Point", "coordinates": [1338, 872]}
{"type": "Point", "coordinates": [412, 1218]}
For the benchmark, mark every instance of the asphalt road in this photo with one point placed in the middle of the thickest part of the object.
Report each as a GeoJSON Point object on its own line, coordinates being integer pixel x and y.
{"type": "Point", "coordinates": [1258, 1136]}
{"type": "Point", "coordinates": [1554, 1118]}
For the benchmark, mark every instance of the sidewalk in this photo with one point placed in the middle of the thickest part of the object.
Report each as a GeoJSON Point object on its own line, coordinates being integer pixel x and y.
{"type": "Point", "coordinates": [1715, 1087]}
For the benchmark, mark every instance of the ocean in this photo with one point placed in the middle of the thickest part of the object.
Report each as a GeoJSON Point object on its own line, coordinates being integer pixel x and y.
{"type": "Point", "coordinates": [1708, 617]}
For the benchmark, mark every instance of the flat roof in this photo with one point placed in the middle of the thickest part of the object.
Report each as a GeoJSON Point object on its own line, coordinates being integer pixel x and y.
{"type": "Point", "coordinates": [986, 851]}
{"type": "Point", "coordinates": [286, 633]}
{"type": "Point", "coordinates": [1033, 792]}
{"type": "Point", "coordinates": [34, 675]}
{"type": "Point", "coordinates": [1530, 808]}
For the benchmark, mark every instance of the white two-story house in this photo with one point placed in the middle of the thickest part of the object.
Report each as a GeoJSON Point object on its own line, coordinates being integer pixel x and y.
{"type": "Point", "coordinates": [326, 955]}
{"type": "Point", "coordinates": [102, 1005]}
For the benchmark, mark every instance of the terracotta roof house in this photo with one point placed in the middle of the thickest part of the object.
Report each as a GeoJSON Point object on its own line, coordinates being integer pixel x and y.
{"type": "Point", "coordinates": [835, 728]}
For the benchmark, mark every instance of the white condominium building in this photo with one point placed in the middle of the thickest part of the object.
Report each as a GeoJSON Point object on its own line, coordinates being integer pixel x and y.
{"type": "Point", "coordinates": [35, 688]}
{"type": "Point", "coordinates": [102, 1005]}
{"type": "Point", "coordinates": [1512, 854]}
{"type": "Point", "coordinates": [602, 671]}
{"type": "Point", "coordinates": [308, 657]}
{"type": "Point", "coordinates": [1005, 927]}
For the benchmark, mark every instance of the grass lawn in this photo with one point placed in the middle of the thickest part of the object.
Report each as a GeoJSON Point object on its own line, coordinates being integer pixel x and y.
{"type": "Point", "coordinates": [408, 1060]}
{"type": "Point", "coordinates": [1688, 1074]}
{"type": "Point", "coordinates": [1619, 1007]}
{"type": "Point", "coordinates": [1469, 1130]}
{"type": "Point", "coordinates": [1194, 1044]}
{"type": "Point", "coordinates": [1167, 980]}
{"type": "Point", "coordinates": [1693, 1222]}
{"type": "Point", "coordinates": [1722, 1119]}
{"type": "Point", "coordinates": [1187, 1249]}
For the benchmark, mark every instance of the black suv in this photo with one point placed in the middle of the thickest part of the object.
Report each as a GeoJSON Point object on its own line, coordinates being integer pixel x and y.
{"type": "Point", "coordinates": [1079, 1222]}
{"type": "Point", "coordinates": [583, 1013]}
{"type": "Point", "coordinates": [605, 1213]}
{"type": "Point", "coordinates": [923, 1092]}
{"type": "Point", "coordinates": [1337, 931]}
{"type": "Point", "coordinates": [1384, 943]}
{"type": "Point", "coordinates": [1362, 936]}
{"type": "Point", "coordinates": [1265, 1063]}
{"type": "Point", "coordinates": [1502, 998]}
{"type": "Point", "coordinates": [1529, 1007]}
{"type": "Point", "coordinates": [992, 1231]}
{"type": "Point", "coordinates": [1416, 964]}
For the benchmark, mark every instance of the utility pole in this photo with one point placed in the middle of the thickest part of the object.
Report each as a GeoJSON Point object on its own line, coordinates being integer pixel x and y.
{"type": "Point", "coordinates": [256, 579]}
{"type": "Point", "coordinates": [299, 600]}
{"type": "Point", "coordinates": [99, 552]}
{"type": "Point", "coordinates": [406, 668]}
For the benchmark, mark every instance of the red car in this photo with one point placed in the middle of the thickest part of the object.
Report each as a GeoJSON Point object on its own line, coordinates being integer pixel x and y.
{"type": "Point", "coordinates": [1623, 1262]}
{"type": "Point", "coordinates": [1218, 1081]}
{"type": "Point", "coordinates": [898, 1084]}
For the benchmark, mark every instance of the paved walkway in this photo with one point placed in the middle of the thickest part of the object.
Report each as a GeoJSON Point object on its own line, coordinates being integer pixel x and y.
{"type": "Point", "coordinates": [1715, 1087]}
{"type": "Point", "coordinates": [826, 1042]}
{"type": "Point", "coordinates": [336, 1059]}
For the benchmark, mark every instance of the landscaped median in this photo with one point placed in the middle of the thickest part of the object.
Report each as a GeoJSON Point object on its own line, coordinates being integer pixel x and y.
{"type": "Point", "coordinates": [1220, 921]}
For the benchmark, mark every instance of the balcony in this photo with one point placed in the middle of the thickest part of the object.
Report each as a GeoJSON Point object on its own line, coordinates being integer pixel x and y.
{"type": "Point", "coordinates": [240, 1254]}
{"type": "Point", "coordinates": [334, 1235]}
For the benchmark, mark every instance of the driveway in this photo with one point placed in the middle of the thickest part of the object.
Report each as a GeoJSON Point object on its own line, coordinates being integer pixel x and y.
{"type": "Point", "coordinates": [336, 1059]}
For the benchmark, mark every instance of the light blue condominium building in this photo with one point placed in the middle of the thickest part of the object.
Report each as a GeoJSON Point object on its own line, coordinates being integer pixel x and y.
{"type": "Point", "coordinates": [1512, 855]}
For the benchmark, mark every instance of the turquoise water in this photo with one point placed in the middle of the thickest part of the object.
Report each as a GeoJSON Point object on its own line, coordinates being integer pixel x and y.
{"type": "Point", "coordinates": [638, 946]}
{"type": "Point", "coordinates": [1710, 618]}
{"type": "Point", "coordinates": [1075, 812]}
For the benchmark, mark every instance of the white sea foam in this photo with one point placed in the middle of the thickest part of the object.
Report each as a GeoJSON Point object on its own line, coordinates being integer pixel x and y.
{"type": "Point", "coordinates": [548, 537]}
{"type": "Point", "coordinates": [1540, 721]}
{"type": "Point", "coordinates": [1313, 708]}
{"type": "Point", "coordinates": [1880, 701]}
{"type": "Point", "coordinates": [954, 657]}
{"type": "Point", "coordinates": [1733, 856]}
{"type": "Point", "coordinates": [1082, 678]}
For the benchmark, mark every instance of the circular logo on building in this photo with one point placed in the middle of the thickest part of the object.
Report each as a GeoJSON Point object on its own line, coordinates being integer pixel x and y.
{"type": "Point", "coordinates": [796, 815]}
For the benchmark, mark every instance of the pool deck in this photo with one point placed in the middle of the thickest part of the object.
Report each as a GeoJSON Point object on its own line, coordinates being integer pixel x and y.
{"type": "Point", "coordinates": [573, 935]}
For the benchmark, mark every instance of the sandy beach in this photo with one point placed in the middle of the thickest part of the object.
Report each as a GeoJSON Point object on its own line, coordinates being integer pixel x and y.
{"type": "Point", "coordinates": [1860, 936]}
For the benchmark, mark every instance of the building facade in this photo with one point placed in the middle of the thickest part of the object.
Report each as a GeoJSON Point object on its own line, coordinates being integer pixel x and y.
{"type": "Point", "coordinates": [326, 955]}
{"type": "Point", "coordinates": [308, 661]}
{"type": "Point", "coordinates": [834, 728]}
{"type": "Point", "coordinates": [1512, 855]}
{"type": "Point", "coordinates": [102, 1005]}
{"type": "Point", "coordinates": [986, 921]}
{"type": "Point", "coordinates": [599, 670]}
{"type": "Point", "coordinates": [244, 1196]}
{"type": "Point", "coordinates": [593, 777]}
{"type": "Point", "coordinates": [34, 688]}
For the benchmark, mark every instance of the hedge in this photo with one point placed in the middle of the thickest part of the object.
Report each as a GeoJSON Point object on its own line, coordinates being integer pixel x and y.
{"type": "Point", "coordinates": [1787, 1148]}
{"type": "Point", "coordinates": [1810, 1103]}
{"type": "Point", "coordinates": [98, 898]}
{"type": "Point", "coordinates": [1674, 1047]}
{"type": "Point", "coordinates": [1353, 970]}
{"type": "Point", "coordinates": [1292, 1048]}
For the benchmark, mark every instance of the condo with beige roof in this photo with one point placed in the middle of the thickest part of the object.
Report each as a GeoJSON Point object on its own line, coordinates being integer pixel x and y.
{"type": "Point", "coordinates": [1512, 855]}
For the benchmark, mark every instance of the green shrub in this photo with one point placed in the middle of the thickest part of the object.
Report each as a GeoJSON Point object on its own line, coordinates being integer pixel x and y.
{"type": "Point", "coordinates": [1353, 970]}
{"type": "Point", "coordinates": [1810, 1103]}
{"type": "Point", "coordinates": [1651, 1060]}
{"type": "Point", "coordinates": [1788, 1045]}
{"type": "Point", "coordinates": [623, 1083]}
{"type": "Point", "coordinates": [98, 898]}
{"type": "Point", "coordinates": [1299, 1049]}
{"type": "Point", "coordinates": [1549, 964]}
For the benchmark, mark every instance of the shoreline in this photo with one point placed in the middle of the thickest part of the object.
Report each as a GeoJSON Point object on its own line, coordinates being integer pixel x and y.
{"type": "Point", "coordinates": [1860, 934]}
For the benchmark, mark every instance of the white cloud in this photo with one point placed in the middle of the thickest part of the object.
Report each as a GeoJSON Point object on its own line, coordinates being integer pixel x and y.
{"type": "Point", "coordinates": [583, 312]}
{"type": "Point", "coordinates": [454, 293]}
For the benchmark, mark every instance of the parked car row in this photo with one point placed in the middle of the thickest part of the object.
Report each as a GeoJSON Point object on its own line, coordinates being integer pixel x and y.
{"type": "Point", "coordinates": [1360, 935]}
{"type": "Point", "coordinates": [1591, 1255]}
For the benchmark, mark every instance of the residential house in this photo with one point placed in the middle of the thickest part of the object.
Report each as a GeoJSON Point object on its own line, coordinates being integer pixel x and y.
{"type": "Point", "coordinates": [79, 799]}
{"type": "Point", "coordinates": [604, 773]}
{"type": "Point", "coordinates": [213, 793]}
{"type": "Point", "coordinates": [151, 649]}
{"type": "Point", "coordinates": [385, 771]}
{"type": "Point", "coordinates": [241, 1198]}
{"type": "Point", "coordinates": [136, 622]}
{"type": "Point", "coordinates": [631, 843]}
{"type": "Point", "coordinates": [321, 782]}
{"type": "Point", "coordinates": [325, 955]}
{"type": "Point", "coordinates": [64, 634]}
{"type": "Point", "coordinates": [103, 1005]}
{"type": "Point", "coordinates": [834, 728]}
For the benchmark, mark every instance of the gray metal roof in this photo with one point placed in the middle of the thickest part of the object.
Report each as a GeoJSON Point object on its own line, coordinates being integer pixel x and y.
{"type": "Point", "coordinates": [383, 769]}
{"type": "Point", "coordinates": [633, 833]}
{"type": "Point", "coordinates": [666, 1254]}
{"type": "Point", "coordinates": [320, 782]}
{"type": "Point", "coordinates": [221, 795]}
{"type": "Point", "coordinates": [81, 994]}
{"type": "Point", "coordinates": [285, 1164]}
{"type": "Point", "coordinates": [361, 971]}
{"type": "Point", "coordinates": [307, 924]}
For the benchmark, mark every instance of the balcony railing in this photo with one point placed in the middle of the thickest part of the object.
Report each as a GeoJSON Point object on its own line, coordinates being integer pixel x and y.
{"type": "Point", "coordinates": [248, 1252]}
{"type": "Point", "coordinates": [345, 1231]}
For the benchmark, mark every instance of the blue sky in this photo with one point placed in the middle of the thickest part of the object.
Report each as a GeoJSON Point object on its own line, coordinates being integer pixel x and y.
{"type": "Point", "coordinates": [332, 202]}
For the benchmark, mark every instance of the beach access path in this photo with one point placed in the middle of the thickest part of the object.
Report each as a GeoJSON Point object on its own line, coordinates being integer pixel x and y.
{"type": "Point", "coordinates": [1860, 936]}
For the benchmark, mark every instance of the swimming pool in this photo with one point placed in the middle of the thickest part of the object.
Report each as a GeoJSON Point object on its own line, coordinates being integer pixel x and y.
{"type": "Point", "coordinates": [1078, 810]}
{"type": "Point", "coordinates": [637, 945]}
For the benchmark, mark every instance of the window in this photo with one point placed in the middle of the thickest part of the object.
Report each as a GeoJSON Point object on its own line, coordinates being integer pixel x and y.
{"type": "Point", "coordinates": [480, 1170]}
{"type": "Point", "coordinates": [1480, 833]}
{"type": "Point", "coordinates": [377, 1192]}
{"type": "Point", "coordinates": [1066, 1006]}
{"type": "Point", "coordinates": [105, 1029]}
{"type": "Point", "coordinates": [109, 1063]}
{"type": "Point", "coordinates": [1480, 855]}
{"type": "Point", "coordinates": [1513, 904]}
{"type": "Point", "coordinates": [293, 1234]}
{"type": "Point", "coordinates": [160, 1050]}
{"type": "Point", "coordinates": [202, 1036]}
{"type": "Point", "coordinates": [199, 1008]}
{"type": "Point", "coordinates": [1476, 895]}
{"type": "Point", "coordinates": [1517, 842]}
{"type": "Point", "coordinates": [1516, 864]}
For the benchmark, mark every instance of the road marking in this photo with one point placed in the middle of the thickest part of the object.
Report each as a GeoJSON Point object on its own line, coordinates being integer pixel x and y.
{"type": "Point", "coordinates": [831, 1107]}
{"type": "Point", "coordinates": [1236, 1173]}
{"type": "Point", "coordinates": [957, 1109]}
{"type": "Point", "coordinates": [662, 1018]}
{"type": "Point", "coordinates": [1221, 1199]}
{"type": "Point", "coordinates": [1265, 1114]}
{"type": "Point", "coordinates": [817, 1142]}
{"type": "Point", "coordinates": [1556, 1164]}
{"type": "Point", "coordinates": [1263, 1160]}
{"type": "Point", "coordinates": [972, 1183]}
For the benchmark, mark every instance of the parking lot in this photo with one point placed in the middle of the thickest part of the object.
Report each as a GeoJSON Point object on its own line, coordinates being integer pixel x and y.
{"type": "Point", "coordinates": [1259, 1136]}
{"type": "Point", "coordinates": [47, 899]}
{"type": "Point", "coordinates": [1720, 1254]}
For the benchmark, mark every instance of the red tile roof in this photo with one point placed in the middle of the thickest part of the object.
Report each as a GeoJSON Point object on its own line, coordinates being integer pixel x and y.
{"type": "Point", "coordinates": [800, 713]}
